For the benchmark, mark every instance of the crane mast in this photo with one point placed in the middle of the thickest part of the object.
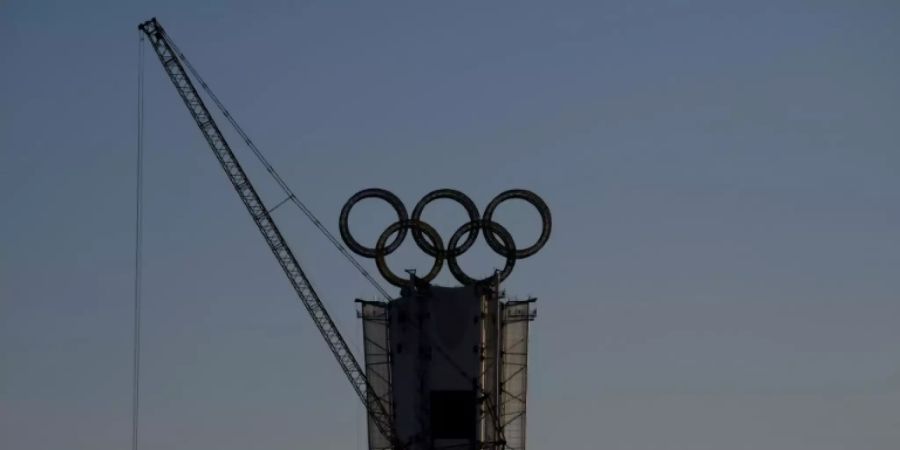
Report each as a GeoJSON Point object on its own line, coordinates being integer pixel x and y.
{"type": "Point", "coordinates": [171, 62]}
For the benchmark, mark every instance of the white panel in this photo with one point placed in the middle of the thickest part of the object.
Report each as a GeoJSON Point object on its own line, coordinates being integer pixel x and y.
{"type": "Point", "coordinates": [514, 372]}
{"type": "Point", "coordinates": [377, 361]}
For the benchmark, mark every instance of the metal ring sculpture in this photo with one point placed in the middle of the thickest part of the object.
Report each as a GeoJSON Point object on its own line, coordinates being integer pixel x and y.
{"type": "Point", "coordinates": [429, 241]}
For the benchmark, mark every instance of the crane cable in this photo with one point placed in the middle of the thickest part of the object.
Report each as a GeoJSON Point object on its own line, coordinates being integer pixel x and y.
{"type": "Point", "coordinates": [274, 174]}
{"type": "Point", "coordinates": [138, 246]}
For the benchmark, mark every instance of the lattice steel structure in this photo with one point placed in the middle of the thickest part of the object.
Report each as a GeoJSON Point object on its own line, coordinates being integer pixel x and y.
{"type": "Point", "coordinates": [174, 62]}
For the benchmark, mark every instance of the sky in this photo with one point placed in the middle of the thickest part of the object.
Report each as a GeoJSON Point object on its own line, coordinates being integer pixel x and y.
{"type": "Point", "coordinates": [723, 176]}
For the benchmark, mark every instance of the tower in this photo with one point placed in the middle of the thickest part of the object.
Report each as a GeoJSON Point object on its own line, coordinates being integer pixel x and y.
{"type": "Point", "coordinates": [449, 363]}
{"type": "Point", "coordinates": [453, 365]}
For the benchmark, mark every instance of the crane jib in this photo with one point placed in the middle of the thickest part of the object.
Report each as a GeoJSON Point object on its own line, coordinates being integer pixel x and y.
{"type": "Point", "coordinates": [171, 60]}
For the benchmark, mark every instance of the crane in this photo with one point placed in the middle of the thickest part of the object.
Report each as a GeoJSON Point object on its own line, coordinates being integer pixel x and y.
{"type": "Point", "coordinates": [173, 63]}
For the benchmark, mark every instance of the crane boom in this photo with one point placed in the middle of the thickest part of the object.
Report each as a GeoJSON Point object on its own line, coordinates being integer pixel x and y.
{"type": "Point", "coordinates": [171, 62]}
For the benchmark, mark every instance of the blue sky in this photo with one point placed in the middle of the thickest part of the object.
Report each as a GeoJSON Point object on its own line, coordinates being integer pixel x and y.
{"type": "Point", "coordinates": [724, 181]}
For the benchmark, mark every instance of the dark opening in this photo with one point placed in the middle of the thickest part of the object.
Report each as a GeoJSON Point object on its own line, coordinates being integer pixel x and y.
{"type": "Point", "coordinates": [453, 414]}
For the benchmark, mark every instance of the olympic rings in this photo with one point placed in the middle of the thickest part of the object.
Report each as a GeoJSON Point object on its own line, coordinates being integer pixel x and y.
{"type": "Point", "coordinates": [429, 241]}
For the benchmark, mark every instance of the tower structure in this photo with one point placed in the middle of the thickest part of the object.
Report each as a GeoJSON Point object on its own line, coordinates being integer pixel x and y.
{"type": "Point", "coordinates": [449, 363]}
{"type": "Point", "coordinates": [452, 363]}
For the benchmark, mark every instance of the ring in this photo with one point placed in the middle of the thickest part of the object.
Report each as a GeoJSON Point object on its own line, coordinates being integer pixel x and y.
{"type": "Point", "coordinates": [490, 227]}
{"type": "Point", "coordinates": [538, 204]}
{"type": "Point", "coordinates": [381, 251]}
{"type": "Point", "coordinates": [498, 238]}
{"type": "Point", "coordinates": [344, 227]}
{"type": "Point", "coordinates": [450, 194]}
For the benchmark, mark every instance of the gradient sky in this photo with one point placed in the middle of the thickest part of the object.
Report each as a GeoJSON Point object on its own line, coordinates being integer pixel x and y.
{"type": "Point", "coordinates": [724, 179]}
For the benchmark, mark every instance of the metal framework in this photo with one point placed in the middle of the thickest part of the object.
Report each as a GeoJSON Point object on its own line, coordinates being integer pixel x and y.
{"type": "Point", "coordinates": [171, 62]}
{"type": "Point", "coordinates": [377, 359]}
{"type": "Point", "coordinates": [516, 316]}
